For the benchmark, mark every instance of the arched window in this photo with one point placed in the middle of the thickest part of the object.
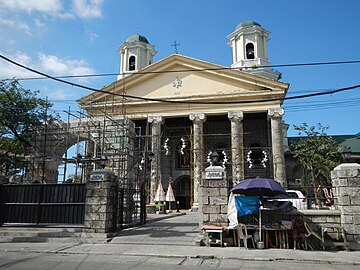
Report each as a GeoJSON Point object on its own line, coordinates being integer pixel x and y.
{"type": "Point", "coordinates": [250, 52]}
{"type": "Point", "coordinates": [132, 63]}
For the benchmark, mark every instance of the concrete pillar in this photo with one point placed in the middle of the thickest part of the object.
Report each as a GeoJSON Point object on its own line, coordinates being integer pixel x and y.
{"type": "Point", "coordinates": [277, 142]}
{"type": "Point", "coordinates": [156, 122]}
{"type": "Point", "coordinates": [214, 197]}
{"type": "Point", "coordinates": [237, 155]}
{"type": "Point", "coordinates": [198, 147]}
{"type": "Point", "coordinates": [100, 208]}
{"type": "Point", "coordinates": [346, 189]}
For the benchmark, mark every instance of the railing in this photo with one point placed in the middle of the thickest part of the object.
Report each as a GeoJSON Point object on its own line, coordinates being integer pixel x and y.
{"type": "Point", "coordinates": [304, 198]}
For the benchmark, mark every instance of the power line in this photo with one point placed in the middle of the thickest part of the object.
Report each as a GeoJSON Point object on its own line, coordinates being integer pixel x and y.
{"type": "Point", "coordinates": [182, 70]}
{"type": "Point", "coordinates": [323, 105]}
{"type": "Point", "coordinates": [330, 92]}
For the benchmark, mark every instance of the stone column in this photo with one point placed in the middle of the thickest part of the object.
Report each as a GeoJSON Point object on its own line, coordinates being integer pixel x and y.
{"type": "Point", "coordinates": [100, 207]}
{"type": "Point", "coordinates": [156, 122]}
{"type": "Point", "coordinates": [237, 158]}
{"type": "Point", "coordinates": [346, 189]}
{"type": "Point", "coordinates": [277, 143]}
{"type": "Point", "coordinates": [198, 120]}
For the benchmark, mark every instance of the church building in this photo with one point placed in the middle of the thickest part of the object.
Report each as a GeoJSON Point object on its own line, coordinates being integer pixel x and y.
{"type": "Point", "coordinates": [186, 109]}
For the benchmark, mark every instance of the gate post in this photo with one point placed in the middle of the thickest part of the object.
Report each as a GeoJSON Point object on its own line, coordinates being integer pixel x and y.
{"type": "Point", "coordinates": [214, 197]}
{"type": "Point", "coordinates": [346, 185]}
{"type": "Point", "coordinates": [100, 209]}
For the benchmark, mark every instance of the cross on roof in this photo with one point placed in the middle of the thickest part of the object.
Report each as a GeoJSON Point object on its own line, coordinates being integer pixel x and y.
{"type": "Point", "coordinates": [175, 45]}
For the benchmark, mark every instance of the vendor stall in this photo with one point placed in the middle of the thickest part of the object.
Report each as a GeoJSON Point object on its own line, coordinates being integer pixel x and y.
{"type": "Point", "coordinates": [249, 197]}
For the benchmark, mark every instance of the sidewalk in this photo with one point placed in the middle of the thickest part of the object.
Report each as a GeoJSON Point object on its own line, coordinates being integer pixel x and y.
{"type": "Point", "coordinates": [340, 257]}
{"type": "Point", "coordinates": [174, 237]}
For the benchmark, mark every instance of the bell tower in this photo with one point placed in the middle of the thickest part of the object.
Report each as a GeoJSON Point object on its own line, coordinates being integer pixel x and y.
{"type": "Point", "coordinates": [248, 42]}
{"type": "Point", "coordinates": [135, 53]}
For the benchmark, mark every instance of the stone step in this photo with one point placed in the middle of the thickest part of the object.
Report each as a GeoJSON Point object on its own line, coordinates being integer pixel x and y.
{"type": "Point", "coordinates": [40, 234]}
{"type": "Point", "coordinates": [37, 239]}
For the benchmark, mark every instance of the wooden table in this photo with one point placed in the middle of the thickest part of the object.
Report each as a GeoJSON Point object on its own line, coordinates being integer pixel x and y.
{"type": "Point", "coordinates": [280, 234]}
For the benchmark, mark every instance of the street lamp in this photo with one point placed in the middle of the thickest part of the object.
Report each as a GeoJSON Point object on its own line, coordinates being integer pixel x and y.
{"type": "Point", "coordinates": [346, 154]}
{"type": "Point", "coordinates": [214, 158]}
{"type": "Point", "coordinates": [103, 160]}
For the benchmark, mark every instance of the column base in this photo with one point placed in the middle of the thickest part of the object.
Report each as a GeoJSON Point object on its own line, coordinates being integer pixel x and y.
{"type": "Point", "coordinates": [195, 207]}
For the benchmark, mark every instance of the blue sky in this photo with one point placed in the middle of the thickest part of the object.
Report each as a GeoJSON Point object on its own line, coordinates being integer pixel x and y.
{"type": "Point", "coordinates": [61, 37]}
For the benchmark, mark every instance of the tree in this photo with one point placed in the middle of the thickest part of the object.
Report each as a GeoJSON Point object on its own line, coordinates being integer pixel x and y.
{"type": "Point", "coordinates": [318, 154]}
{"type": "Point", "coordinates": [74, 178]}
{"type": "Point", "coordinates": [20, 112]}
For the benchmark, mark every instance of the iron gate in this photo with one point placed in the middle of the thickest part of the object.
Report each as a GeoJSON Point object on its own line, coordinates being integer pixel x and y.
{"type": "Point", "coordinates": [131, 207]}
{"type": "Point", "coordinates": [42, 203]}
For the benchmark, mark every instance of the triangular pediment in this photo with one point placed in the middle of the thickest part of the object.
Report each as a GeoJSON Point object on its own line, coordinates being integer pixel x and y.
{"type": "Point", "coordinates": [180, 78]}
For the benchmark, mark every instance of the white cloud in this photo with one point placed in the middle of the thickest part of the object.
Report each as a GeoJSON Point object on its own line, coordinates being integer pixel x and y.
{"type": "Point", "coordinates": [60, 94]}
{"type": "Point", "coordinates": [92, 36]}
{"type": "Point", "coordinates": [48, 6]}
{"type": "Point", "coordinates": [9, 71]}
{"type": "Point", "coordinates": [57, 66]}
{"type": "Point", "coordinates": [88, 9]}
{"type": "Point", "coordinates": [39, 23]}
{"type": "Point", "coordinates": [50, 64]}
{"type": "Point", "coordinates": [15, 23]}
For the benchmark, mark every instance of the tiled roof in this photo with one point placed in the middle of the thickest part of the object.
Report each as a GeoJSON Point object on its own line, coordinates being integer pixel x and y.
{"type": "Point", "coordinates": [350, 141]}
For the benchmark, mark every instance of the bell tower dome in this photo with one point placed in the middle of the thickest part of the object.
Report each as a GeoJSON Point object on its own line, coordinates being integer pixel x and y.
{"type": "Point", "coordinates": [135, 53]}
{"type": "Point", "coordinates": [248, 42]}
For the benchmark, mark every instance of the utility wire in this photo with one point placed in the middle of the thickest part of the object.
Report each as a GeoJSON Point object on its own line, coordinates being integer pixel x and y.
{"type": "Point", "coordinates": [189, 70]}
{"type": "Point", "coordinates": [181, 101]}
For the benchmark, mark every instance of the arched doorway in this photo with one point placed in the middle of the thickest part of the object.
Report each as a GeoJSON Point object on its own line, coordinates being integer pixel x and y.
{"type": "Point", "coordinates": [182, 191]}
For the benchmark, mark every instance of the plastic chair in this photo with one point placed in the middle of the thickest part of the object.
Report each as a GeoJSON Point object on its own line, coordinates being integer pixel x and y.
{"type": "Point", "coordinates": [243, 235]}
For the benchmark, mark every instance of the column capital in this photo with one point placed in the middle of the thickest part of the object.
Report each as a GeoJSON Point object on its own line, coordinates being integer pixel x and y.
{"type": "Point", "coordinates": [276, 112]}
{"type": "Point", "coordinates": [197, 117]}
{"type": "Point", "coordinates": [236, 115]}
{"type": "Point", "coordinates": [155, 119]}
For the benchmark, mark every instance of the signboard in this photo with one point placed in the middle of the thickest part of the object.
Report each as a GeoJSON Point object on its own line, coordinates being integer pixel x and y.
{"type": "Point", "coordinates": [214, 175]}
{"type": "Point", "coordinates": [97, 177]}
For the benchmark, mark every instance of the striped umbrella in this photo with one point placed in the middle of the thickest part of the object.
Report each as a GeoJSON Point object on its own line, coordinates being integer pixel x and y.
{"type": "Point", "coordinates": [170, 195]}
{"type": "Point", "coordinates": [160, 194]}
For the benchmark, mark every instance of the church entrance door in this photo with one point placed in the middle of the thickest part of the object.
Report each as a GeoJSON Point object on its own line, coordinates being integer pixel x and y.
{"type": "Point", "coordinates": [182, 191]}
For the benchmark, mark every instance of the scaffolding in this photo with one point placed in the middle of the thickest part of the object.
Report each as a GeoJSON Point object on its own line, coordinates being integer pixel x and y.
{"type": "Point", "coordinates": [101, 141]}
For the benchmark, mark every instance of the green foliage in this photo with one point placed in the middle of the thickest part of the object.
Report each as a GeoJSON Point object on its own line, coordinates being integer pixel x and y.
{"type": "Point", "coordinates": [317, 152]}
{"type": "Point", "coordinates": [73, 178]}
{"type": "Point", "coordinates": [20, 111]}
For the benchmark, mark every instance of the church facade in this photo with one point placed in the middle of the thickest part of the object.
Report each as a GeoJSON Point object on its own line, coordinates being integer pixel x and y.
{"type": "Point", "coordinates": [184, 109]}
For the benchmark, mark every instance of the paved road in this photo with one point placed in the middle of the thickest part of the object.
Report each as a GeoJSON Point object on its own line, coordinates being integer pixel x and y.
{"type": "Point", "coordinates": [165, 244]}
{"type": "Point", "coordinates": [180, 230]}
{"type": "Point", "coordinates": [46, 261]}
